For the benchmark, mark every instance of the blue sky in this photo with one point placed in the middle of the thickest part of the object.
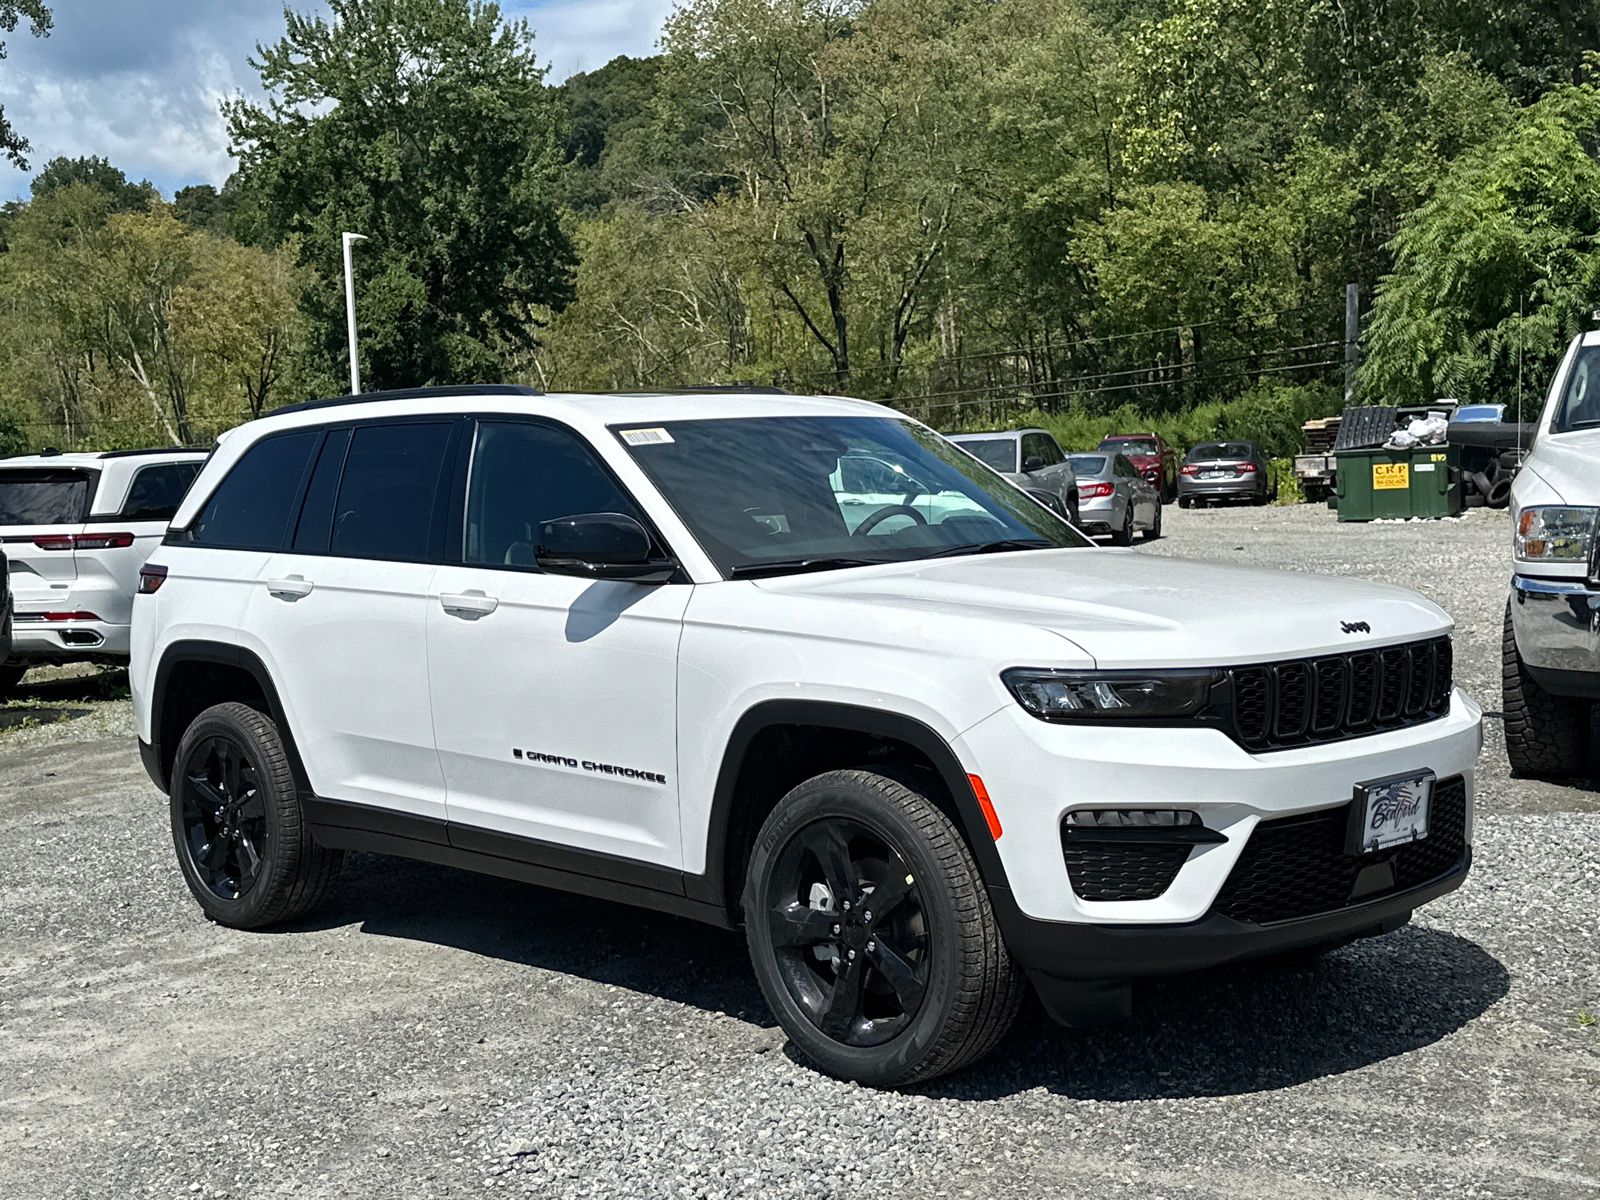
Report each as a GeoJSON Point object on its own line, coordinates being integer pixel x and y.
{"type": "Point", "coordinates": [138, 81]}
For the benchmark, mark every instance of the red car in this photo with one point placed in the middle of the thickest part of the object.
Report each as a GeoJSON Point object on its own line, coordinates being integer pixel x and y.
{"type": "Point", "coordinates": [1150, 456]}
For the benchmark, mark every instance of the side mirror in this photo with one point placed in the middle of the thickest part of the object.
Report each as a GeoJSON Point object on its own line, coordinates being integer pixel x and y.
{"type": "Point", "coordinates": [600, 546]}
{"type": "Point", "coordinates": [1033, 463]}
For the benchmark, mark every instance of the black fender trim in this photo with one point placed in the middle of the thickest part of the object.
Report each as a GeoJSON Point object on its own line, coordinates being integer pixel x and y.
{"type": "Point", "coordinates": [710, 889]}
{"type": "Point", "coordinates": [341, 825]}
{"type": "Point", "coordinates": [227, 655]}
{"type": "Point", "coordinates": [1062, 951]}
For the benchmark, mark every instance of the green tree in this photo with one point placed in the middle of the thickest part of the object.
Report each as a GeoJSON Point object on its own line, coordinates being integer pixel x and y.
{"type": "Point", "coordinates": [95, 172]}
{"type": "Point", "coordinates": [12, 143]}
{"type": "Point", "coordinates": [1496, 271]}
{"type": "Point", "coordinates": [425, 125]}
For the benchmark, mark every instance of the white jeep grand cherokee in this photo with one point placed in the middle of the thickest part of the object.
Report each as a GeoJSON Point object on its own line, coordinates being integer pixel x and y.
{"type": "Point", "coordinates": [648, 648]}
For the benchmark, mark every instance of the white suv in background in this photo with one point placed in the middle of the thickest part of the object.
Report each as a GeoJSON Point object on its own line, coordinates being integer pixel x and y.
{"type": "Point", "coordinates": [651, 648]}
{"type": "Point", "coordinates": [75, 529]}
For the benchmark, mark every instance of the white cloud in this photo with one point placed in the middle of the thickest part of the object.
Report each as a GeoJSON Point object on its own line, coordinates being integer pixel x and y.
{"type": "Point", "coordinates": [139, 81]}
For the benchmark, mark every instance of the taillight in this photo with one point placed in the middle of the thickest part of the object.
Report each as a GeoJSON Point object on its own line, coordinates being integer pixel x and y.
{"type": "Point", "coordinates": [1188, 469]}
{"type": "Point", "coordinates": [84, 541]}
{"type": "Point", "coordinates": [1245, 469]}
{"type": "Point", "coordinates": [1089, 491]}
{"type": "Point", "coordinates": [151, 577]}
{"type": "Point", "coordinates": [71, 616]}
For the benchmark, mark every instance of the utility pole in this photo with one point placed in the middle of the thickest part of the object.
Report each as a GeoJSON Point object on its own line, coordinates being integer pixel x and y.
{"type": "Point", "coordinates": [1352, 335]}
{"type": "Point", "coordinates": [350, 310]}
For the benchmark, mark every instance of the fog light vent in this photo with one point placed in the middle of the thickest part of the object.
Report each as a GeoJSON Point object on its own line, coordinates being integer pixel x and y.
{"type": "Point", "coordinates": [1129, 853]}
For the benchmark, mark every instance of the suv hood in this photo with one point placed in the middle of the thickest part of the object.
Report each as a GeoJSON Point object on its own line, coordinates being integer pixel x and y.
{"type": "Point", "coordinates": [1569, 463]}
{"type": "Point", "coordinates": [1124, 608]}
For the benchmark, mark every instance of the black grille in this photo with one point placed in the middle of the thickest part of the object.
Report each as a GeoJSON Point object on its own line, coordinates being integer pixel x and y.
{"type": "Point", "coordinates": [1122, 871]}
{"type": "Point", "coordinates": [1326, 699]}
{"type": "Point", "coordinates": [1296, 866]}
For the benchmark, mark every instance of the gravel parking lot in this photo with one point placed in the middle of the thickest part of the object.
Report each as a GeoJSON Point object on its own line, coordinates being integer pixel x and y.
{"type": "Point", "coordinates": [433, 1033]}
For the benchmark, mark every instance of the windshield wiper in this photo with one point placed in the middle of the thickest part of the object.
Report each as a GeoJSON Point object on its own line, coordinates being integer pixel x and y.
{"type": "Point", "coordinates": [793, 566]}
{"type": "Point", "coordinates": [995, 547]}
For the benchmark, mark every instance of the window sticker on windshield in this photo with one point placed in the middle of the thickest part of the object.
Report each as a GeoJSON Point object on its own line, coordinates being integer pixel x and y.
{"type": "Point", "coordinates": [646, 437]}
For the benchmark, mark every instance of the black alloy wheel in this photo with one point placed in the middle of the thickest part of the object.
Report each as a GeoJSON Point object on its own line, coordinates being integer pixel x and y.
{"type": "Point", "coordinates": [1123, 536]}
{"type": "Point", "coordinates": [224, 817]}
{"type": "Point", "coordinates": [244, 845]}
{"type": "Point", "coordinates": [848, 931]}
{"type": "Point", "coordinates": [871, 932]}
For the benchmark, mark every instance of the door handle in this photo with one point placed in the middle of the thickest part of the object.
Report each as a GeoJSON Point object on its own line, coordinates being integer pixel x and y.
{"type": "Point", "coordinates": [292, 588]}
{"type": "Point", "coordinates": [469, 606]}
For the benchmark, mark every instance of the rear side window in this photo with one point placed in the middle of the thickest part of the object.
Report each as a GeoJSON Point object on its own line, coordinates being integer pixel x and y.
{"type": "Point", "coordinates": [999, 453]}
{"type": "Point", "coordinates": [523, 475]}
{"type": "Point", "coordinates": [387, 491]}
{"type": "Point", "coordinates": [250, 508]}
{"type": "Point", "coordinates": [157, 491]}
{"type": "Point", "coordinates": [43, 497]}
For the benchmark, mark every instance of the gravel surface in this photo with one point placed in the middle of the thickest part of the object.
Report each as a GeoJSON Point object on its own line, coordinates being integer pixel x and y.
{"type": "Point", "coordinates": [433, 1033]}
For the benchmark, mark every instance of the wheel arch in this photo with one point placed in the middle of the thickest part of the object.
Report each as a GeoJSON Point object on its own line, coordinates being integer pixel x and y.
{"type": "Point", "coordinates": [857, 737]}
{"type": "Point", "coordinates": [192, 676]}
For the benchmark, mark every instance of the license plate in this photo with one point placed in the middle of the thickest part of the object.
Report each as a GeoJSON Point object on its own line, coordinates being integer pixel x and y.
{"type": "Point", "coordinates": [1390, 475]}
{"type": "Point", "coordinates": [1214, 474]}
{"type": "Point", "coordinates": [1389, 812]}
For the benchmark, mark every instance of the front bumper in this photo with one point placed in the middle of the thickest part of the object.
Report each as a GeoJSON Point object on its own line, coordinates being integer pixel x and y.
{"type": "Point", "coordinates": [1094, 953]}
{"type": "Point", "coordinates": [1557, 627]}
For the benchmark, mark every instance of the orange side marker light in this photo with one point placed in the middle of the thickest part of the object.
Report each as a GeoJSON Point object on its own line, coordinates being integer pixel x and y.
{"type": "Point", "coordinates": [982, 793]}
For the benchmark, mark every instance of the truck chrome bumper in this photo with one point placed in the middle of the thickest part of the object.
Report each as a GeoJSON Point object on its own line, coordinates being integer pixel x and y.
{"type": "Point", "coordinates": [1557, 626]}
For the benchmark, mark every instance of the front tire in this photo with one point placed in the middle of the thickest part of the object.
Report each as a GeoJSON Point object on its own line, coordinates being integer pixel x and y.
{"type": "Point", "coordinates": [242, 839]}
{"type": "Point", "coordinates": [1546, 735]}
{"type": "Point", "coordinates": [871, 933]}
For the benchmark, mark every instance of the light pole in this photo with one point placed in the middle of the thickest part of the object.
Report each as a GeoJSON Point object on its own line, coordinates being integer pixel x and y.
{"type": "Point", "coordinates": [350, 310]}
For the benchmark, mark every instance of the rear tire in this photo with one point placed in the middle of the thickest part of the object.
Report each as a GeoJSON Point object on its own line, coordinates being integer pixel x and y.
{"type": "Point", "coordinates": [1154, 531]}
{"type": "Point", "coordinates": [903, 995]}
{"type": "Point", "coordinates": [1184, 502]}
{"type": "Point", "coordinates": [1124, 536]}
{"type": "Point", "coordinates": [1546, 735]}
{"type": "Point", "coordinates": [243, 842]}
{"type": "Point", "coordinates": [10, 675]}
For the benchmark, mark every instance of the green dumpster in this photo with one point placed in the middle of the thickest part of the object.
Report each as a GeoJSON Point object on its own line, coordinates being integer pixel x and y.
{"type": "Point", "coordinates": [1377, 483]}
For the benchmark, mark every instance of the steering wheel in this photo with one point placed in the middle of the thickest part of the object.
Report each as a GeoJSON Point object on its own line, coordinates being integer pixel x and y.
{"type": "Point", "coordinates": [884, 513]}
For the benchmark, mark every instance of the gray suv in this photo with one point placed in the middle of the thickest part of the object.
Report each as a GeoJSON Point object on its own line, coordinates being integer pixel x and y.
{"type": "Point", "coordinates": [1031, 459]}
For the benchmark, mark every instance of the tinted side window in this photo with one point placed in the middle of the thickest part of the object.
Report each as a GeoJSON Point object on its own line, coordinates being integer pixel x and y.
{"type": "Point", "coordinates": [316, 513]}
{"type": "Point", "coordinates": [387, 491]}
{"type": "Point", "coordinates": [157, 490]}
{"type": "Point", "coordinates": [250, 508]}
{"type": "Point", "coordinates": [523, 475]}
{"type": "Point", "coordinates": [1041, 446]}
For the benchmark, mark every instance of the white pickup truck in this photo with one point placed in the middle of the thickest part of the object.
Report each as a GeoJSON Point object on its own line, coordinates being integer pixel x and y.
{"type": "Point", "coordinates": [1551, 648]}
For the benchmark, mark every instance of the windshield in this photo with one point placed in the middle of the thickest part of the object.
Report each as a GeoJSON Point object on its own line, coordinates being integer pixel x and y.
{"type": "Point", "coordinates": [1129, 445]}
{"type": "Point", "coordinates": [1580, 406]}
{"type": "Point", "coordinates": [1219, 450]}
{"type": "Point", "coordinates": [43, 497]}
{"type": "Point", "coordinates": [999, 453]}
{"type": "Point", "coordinates": [1087, 464]}
{"type": "Point", "coordinates": [765, 495]}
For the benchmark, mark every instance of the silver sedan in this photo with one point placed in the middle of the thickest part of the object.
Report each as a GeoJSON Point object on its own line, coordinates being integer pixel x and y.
{"type": "Point", "coordinates": [1114, 498]}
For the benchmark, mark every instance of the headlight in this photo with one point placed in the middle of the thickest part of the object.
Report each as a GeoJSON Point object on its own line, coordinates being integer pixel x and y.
{"type": "Point", "coordinates": [1110, 695]}
{"type": "Point", "coordinates": [1551, 534]}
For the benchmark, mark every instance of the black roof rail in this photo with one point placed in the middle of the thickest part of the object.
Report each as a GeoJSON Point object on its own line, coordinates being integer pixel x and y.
{"type": "Point", "coordinates": [155, 450]}
{"type": "Point", "coordinates": [759, 389]}
{"type": "Point", "coordinates": [421, 393]}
